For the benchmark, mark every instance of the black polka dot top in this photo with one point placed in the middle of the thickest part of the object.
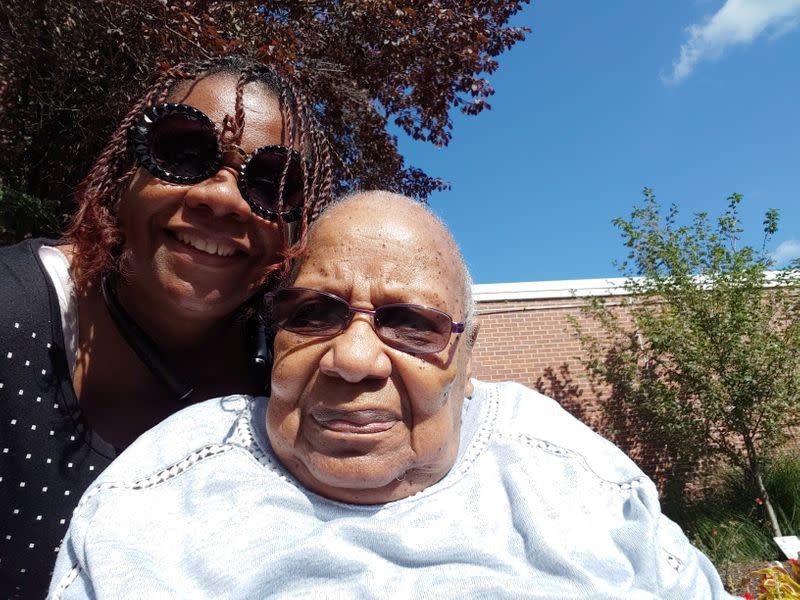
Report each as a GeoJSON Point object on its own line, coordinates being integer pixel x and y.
{"type": "Point", "coordinates": [47, 456]}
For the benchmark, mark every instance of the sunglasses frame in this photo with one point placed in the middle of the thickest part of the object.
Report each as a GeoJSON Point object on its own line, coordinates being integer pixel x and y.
{"type": "Point", "coordinates": [142, 147]}
{"type": "Point", "coordinates": [352, 310]}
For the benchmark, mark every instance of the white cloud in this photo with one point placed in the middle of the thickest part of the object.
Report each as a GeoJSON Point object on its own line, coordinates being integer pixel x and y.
{"type": "Point", "coordinates": [785, 252]}
{"type": "Point", "coordinates": [737, 22]}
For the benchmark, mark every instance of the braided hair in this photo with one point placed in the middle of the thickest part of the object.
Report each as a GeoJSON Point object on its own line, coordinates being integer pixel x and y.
{"type": "Point", "coordinates": [94, 231]}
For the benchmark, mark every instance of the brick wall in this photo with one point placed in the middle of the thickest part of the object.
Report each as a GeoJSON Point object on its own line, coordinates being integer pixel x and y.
{"type": "Point", "coordinates": [525, 338]}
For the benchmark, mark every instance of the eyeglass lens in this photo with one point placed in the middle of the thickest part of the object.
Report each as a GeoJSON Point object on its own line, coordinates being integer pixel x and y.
{"type": "Point", "coordinates": [186, 145]}
{"type": "Point", "coordinates": [407, 327]}
{"type": "Point", "coordinates": [263, 179]}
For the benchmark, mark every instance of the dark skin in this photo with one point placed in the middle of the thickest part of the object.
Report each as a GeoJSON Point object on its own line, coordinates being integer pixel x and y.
{"type": "Point", "coordinates": [121, 398]}
{"type": "Point", "coordinates": [193, 255]}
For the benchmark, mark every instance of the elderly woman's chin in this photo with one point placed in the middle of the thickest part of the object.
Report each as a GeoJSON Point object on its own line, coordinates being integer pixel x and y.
{"type": "Point", "coordinates": [346, 478]}
{"type": "Point", "coordinates": [370, 478]}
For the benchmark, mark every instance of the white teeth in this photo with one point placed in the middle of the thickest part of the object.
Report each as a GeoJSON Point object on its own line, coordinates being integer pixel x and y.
{"type": "Point", "coordinates": [207, 246]}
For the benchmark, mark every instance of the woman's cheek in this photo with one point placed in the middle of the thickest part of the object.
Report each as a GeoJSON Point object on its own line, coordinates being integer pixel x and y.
{"type": "Point", "coordinates": [285, 369]}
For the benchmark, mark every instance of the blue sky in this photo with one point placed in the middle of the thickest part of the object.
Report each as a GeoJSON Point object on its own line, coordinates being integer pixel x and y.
{"type": "Point", "coordinates": [696, 99]}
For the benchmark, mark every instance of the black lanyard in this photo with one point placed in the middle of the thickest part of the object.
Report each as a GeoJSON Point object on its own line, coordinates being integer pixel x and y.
{"type": "Point", "coordinates": [141, 343]}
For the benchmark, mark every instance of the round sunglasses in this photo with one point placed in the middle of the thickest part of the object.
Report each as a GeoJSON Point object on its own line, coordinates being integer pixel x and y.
{"type": "Point", "coordinates": [407, 327]}
{"type": "Point", "coordinates": [180, 144]}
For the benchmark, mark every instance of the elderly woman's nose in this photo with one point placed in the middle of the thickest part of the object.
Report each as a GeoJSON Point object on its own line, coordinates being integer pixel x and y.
{"type": "Point", "coordinates": [220, 195]}
{"type": "Point", "coordinates": [357, 354]}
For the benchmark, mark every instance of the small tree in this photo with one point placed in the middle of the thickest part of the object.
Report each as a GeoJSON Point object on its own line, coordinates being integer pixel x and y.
{"type": "Point", "coordinates": [709, 362]}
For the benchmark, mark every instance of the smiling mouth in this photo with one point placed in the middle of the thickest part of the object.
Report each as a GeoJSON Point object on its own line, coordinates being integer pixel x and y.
{"type": "Point", "coordinates": [359, 421]}
{"type": "Point", "coordinates": [211, 247]}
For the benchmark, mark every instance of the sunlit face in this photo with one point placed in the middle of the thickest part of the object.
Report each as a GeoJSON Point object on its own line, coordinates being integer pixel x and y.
{"type": "Point", "coordinates": [352, 418]}
{"type": "Point", "coordinates": [198, 249]}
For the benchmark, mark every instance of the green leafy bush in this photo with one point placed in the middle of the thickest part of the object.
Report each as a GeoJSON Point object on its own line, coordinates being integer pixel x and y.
{"type": "Point", "coordinates": [23, 216]}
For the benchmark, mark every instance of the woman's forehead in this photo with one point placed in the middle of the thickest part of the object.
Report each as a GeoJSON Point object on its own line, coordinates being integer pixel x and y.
{"type": "Point", "coordinates": [218, 92]}
{"type": "Point", "coordinates": [396, 261]}
{"type": "Point", "coordinates": [392, 283]}
{"type": "Point", "coordinates": [215, 95]}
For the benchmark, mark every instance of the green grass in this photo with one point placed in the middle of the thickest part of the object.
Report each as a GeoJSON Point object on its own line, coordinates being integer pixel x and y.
{"type": "Point", "coordinates": [729, 524]}
{"type": "Point", "coordinates": [783, 485]}
{"type": "Point", "coordinates": [727, 538]}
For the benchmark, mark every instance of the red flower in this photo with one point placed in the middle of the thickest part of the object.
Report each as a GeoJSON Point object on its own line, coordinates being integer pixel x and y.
{"type": "Point", "coordinates": [748, 596]}
{"type": "Point", "coordinates": [759, 501]}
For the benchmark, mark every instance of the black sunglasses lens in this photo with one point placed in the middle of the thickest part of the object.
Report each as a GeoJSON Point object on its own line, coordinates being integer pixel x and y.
{"type": "Point", "coordinates": [263, 179]}
{"type": "Point", "coordinates": [413, 328]}
{"type": "Point", "coordinates": [184, 145]}
{"type": "Point", "coordinates": [308, 312]}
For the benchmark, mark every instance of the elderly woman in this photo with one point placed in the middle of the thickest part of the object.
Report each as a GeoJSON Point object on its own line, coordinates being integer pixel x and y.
{"type": "Point", "coordinates": [375, 469]}
{"type": "Point", "coordinates": [185, 216]}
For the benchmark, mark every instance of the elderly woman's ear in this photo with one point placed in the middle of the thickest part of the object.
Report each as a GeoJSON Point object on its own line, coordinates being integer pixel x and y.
{"type": "Point", "coordinates": [472, 337]}
{"type": "Point", "coordinates": [469, 389]}
{"type": "Point", "coordinates": [472, 334]}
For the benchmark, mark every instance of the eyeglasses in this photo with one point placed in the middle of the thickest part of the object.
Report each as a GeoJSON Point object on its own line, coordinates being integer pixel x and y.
{"type": "Point", "coordinates": [180, 144]}
{"type": "Point", "coordinates": [407, 327]}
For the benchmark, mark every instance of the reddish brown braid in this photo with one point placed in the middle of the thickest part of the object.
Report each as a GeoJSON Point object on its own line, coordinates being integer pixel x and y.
{"type": "Point", "coordinates": [318, 180]}
{"type": "Point", "coordinates": [94, 231]}
{"type": "Point", "coordinates": [302, 133]}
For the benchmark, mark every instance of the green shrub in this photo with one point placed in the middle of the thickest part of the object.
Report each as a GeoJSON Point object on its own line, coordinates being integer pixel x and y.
{"type": "Point", "coordinates": [23, 216]}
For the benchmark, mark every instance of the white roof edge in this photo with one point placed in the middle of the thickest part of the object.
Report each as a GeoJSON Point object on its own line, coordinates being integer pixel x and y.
{"type": "Point", "coordinates": [565, 288]}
